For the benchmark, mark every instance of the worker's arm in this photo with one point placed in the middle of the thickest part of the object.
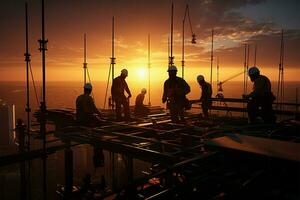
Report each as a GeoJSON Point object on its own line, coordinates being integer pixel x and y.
{"type": "Point", "coordinates": [186, 87]}
{"type": "Point", "coordinates": [93, 106]}
{"type": "Point", "coordinates": [113, 89]}
{"type": "Point", "coordinates": [164, 97]}
{"type": "Point", "coordinates": [127, 90]}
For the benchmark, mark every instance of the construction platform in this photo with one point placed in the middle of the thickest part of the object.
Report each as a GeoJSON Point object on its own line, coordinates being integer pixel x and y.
{"type": "Point", "coordinates": [225, 152]}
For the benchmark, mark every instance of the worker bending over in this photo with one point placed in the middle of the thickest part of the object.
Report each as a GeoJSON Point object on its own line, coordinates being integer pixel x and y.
{"type": "Point", "coordinates": [261, 98]}
{"type": "Point", "coordinates": [205, 98]}
{"type": "Point", "coordinates": [175, 89]}
{"type": "Point", "coordinates": [140, 109]}
{"type": "Point", "coordinates": [119, 86]}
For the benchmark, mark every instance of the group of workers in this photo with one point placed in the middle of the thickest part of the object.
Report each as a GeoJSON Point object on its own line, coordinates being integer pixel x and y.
{"type": "Point", "coordinates": [174, 95]}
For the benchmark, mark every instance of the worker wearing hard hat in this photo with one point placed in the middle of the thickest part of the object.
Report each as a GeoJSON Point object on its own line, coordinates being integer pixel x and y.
{"type": "Point", "coordinates": [205, 98]}
{"type": "Point", "coordinates": [261, 98]}
{"type": "Point", "coordinates": [86, 111]}
{"type": "Point", "coordinates": [119, 86]}
{"type": "Point", "coordinates": [140, 109]}
{"type": "Point", "coordinates": [175, 91]}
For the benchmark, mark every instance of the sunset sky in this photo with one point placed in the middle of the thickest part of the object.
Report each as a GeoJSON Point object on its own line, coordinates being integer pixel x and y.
{"type": "Point", "coordinates": [235, 22]}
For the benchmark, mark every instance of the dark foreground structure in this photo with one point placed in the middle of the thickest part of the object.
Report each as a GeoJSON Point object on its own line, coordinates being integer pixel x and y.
{"type": "Point", "coordinates": [222, 157]}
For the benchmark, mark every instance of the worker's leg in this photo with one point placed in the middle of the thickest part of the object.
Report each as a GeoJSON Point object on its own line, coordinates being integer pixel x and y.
{"type": "Point", "coordinates": [118, 109]}
{"type": "Point", "coordinates": [205, 109]}
{"type": "Point", "coordinates": [267, 112]}
{"type": "Point", "coordinates": [252, 109]}
{"type": "Point", "coordinates": [174, 112]}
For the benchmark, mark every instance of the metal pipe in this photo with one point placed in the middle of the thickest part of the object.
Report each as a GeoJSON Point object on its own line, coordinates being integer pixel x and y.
{"type": "Point", "coordinates": [28, 109]}
{"type": "Point", "coordinates": [43, 49]}
{"type": "Point", "coordinates": [247, 67]}
{"type": "Point", "coordinates": [84, 59]}
{"type": "Point", "coordinates": [113, 50]}
{"type": "Point", "coordinates": [212, 55]}
{"type": "Point", "coordinates": [255, 52]}
{"type": "Point", "coordinates": [21, 140]}
{"type": "Point", "coordinates": [171, 58]}
{"type": "Point", "coordinates": [149, 66]}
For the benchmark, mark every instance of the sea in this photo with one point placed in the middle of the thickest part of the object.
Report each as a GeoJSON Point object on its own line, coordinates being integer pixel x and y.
{"type": "Point", "coordinates": [63, 95]}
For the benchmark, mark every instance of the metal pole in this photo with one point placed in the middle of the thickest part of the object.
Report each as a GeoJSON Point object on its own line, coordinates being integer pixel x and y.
{"type": "Point", "coordinates": [247, 67]}
{"type": "Point", "coordinates": [43, 49]}
{"type": "Point", "coordinates": [218, 80]}
{"type": "Point", "coordinates": [212, 55]}
{"type": "Point", "coordinates": [28, 109]}
{"type": "Point", "coordinates": [280, 86]}
{"type": "Point", "coordinates": [113, 59]}
{"type": "Point", "coordinates": [183, 25]}
{"type": "Point", "coordinates": [149, 66]}
{"type": "Point", "coordinates": [84, 57]}
{"type": "Point", "coordinates": [68, 171]}
{"type": "Point", "coordinates": [171, 58]}
{"type": "Point", "coordinates": [255, 52]}
{"type": "Point", "coordinates": [21, 139]}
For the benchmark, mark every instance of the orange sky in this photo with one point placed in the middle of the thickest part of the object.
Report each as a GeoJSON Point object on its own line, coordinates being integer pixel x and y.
{"type": "Point", "coordinates": [67, 21]}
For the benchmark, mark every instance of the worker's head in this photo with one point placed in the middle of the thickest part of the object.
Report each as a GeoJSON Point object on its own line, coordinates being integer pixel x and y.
{"type": "Point", "coordinates": [87, 88]}
{"type": "Point", "coordinates": [200, 79]}
{"type": "Point", "coordinates": [144, 91]}
{"type": "Point", "coordinates": [253, 73]}
{"type": "Point", "coordinates": [172, 70]}
{"type": "Point", "coordinates": [124, 73]}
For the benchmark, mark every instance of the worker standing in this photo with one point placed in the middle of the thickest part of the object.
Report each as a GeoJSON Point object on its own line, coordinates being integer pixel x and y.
{"type": "Point", "coordinates": [140, 109]}
{"type": "Point", "coordinates": [119, 86]}
{"type": "Point", "coordinates": [261, 98]}
{"type": "Point", "coordinates": [175, 91]}
{"type": "Point", "coordinates": [86, 111]}
{"type": "Point", "coordinates": [205, 98]}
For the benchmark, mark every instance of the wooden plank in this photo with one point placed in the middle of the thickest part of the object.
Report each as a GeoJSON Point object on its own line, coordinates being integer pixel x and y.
{"type": "Point", "coordinates": [263, 146]}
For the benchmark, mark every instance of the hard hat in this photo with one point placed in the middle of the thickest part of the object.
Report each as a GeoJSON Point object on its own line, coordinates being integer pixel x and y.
{"type": "Point", "coordinates": [253, 70]}
{"type": "Point", "coordinates": [144, 90]}
{"type": "Point", "coordinates": [124, 72]}
{"type": "Point", "coordinates": [88, 86]}
{"type": "Point", "coordinates": [172, 68]}
{"type": "Point", "coordinates": [200, 78]}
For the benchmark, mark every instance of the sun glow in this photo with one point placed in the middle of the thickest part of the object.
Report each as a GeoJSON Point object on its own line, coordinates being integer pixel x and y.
{"type": "Point", "coordinates": [141, 73]}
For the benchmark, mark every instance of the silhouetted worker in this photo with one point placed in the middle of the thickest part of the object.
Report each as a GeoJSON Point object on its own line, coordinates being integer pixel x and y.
{"type": "Point", "coordinates": [175, 89]}
{"type": "Point", "coordinates": [140, 109]}
{"type": "Point", "coordinates": [261, 98]}
{"type": "Point", "coordinates": [205, 98]}
{"type": "Point", "coordinates": [86, 111]}
{"type": "Point", "coordinates": [118, 87]}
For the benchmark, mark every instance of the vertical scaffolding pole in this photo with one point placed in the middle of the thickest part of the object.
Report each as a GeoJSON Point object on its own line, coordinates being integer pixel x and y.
{"type": "Point", "coordinates": [21, 148]}
{"type": "Point", "coordinates": [113, 62]}
{"type": "Point", "coordinates": [183, 25]}
{"type": "Point", "coordinates": [211, 55]}
{"type": "Point", "coordinates": [149, 66]}
{"type": "Point", "coordinates": [27, 109]}
{"type": "Point", "coordinates": [218, 80]}
{"type": "Point", "coordinates": [255, 52]}
{"type": "Point", "coordinates": [247, 67]}
{"type": "Point", "coordinates": [84, 59]}
{"type": "Point", "coordinates": [113, 59]}
{"type": "Point", "coordinates": [43, 49]}
{"type": "Point", "coordinates": [68, 170]}
{"type": "Point", "coordinates": [171, 57]}
{"type": "Point", "coordinates": [280, 85]}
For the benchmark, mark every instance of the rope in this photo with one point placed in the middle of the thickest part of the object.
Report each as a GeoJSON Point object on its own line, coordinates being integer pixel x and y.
{"type": "Point", "coordinates": [34, 86]}
{"type": "Point", "coordinates": [108, 78]}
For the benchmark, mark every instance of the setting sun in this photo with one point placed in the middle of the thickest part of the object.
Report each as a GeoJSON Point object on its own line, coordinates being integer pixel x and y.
{"type": "Point", "coordinates": [141, 73]}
